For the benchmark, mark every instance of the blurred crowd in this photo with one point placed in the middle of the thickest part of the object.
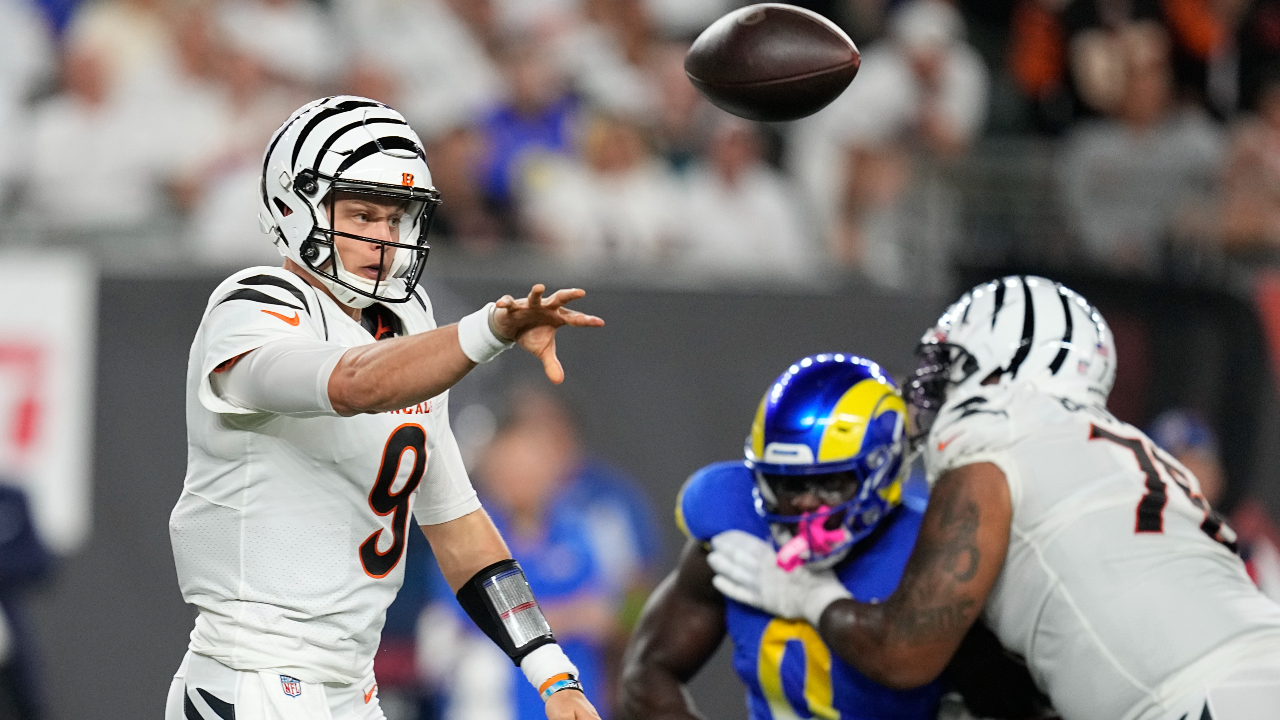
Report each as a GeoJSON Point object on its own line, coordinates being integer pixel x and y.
{"type": "Point", "coordinates": [567, 127]}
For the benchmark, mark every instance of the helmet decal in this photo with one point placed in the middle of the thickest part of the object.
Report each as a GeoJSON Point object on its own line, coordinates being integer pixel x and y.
{"type": "Point", "coordinates": [847, 425]}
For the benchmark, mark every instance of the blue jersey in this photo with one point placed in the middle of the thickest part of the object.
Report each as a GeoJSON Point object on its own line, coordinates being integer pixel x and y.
{"type": "Point", "coordinates": [787, 668]}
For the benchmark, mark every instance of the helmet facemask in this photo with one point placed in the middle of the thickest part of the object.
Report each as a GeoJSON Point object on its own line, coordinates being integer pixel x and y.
{"type": "Point", "coordinates": [407, 250]}
{"type": "Point", "coordinates": [853, 502]}
{"type": "Point", "coordinates": [940, 366]}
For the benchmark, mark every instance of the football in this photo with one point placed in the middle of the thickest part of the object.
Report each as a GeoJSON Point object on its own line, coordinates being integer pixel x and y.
{"type": "Point", "coordinates": [772, 62]}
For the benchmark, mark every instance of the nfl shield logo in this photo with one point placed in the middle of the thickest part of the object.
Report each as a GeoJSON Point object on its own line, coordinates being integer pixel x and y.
{"type": "Point", "coordinates": [292, 686]}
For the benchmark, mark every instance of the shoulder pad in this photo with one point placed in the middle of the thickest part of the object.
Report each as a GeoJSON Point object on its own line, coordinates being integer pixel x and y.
{"type": "Point", "coordinates": [966, 429]}
{"type": "Point", "coordinates": [266, 285]}
{"type": "Point", "coordinates": [717, 498]}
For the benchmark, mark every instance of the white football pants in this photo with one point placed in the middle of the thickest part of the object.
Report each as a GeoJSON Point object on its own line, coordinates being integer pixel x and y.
{"type": "Point", "coordinates": [205, 689]}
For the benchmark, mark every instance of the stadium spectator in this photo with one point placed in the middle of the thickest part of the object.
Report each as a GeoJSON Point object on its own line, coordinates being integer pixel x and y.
{"type": "Point", "coordinates": [922, 92]}
{"type": "Point", "coordinates": [618, 205]}
{"type": "Point", "coordinates": [741, 216]}
{"type": "Point", "coordinates": [229, 109]}
{"type": "Point", "coordinates": [24, 562]}
{"type": "Point", "coordinates": [537, 118]}
{"type": "Point", "coordinates": [528, 463]}
{"type": "Point", "coordinates": [1251, 186]}
{"type": "Point", "coordinates": [684, 119]}
{"type": "Point", "coordinates": [466, 216]}
{"type": "Point", "coordinates": [26, 60]}
{"type": "Point", "coordinates": [1189, 439]}
{"type": "Point", "coordinates": [606, 57]}
{"type": "Point", "coordinates": [87, 133]}
{"type": "Point", "coordinates": [134, 41]}
{"type": "Point", "coordinates": [432, 64]}
{"type": "Point", "coordinates": [293, 40]}
{"type": "Point", "coordinates": [1128, 179]}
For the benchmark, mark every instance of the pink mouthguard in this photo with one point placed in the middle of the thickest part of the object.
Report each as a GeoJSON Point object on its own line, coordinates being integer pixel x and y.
{"type": "Point", "coordinates": [811, 539]}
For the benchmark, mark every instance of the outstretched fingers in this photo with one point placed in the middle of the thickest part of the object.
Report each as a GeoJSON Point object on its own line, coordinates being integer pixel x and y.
{"type": "Point", "coordinates": [551, 363]}
{"type": "Point", "coordinates": [577, 319]}
{"type": "Point", "coordinates": [535, 295]}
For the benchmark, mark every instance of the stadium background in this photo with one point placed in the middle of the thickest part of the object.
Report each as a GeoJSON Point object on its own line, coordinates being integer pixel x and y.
{"type": "Point", "coordinates": [1128, 149]}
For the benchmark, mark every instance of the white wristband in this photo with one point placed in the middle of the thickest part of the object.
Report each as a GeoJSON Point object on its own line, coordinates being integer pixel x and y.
{"type": "Point", "coordinates": [545, 663]}
{"type": "Point", "coordinates": [822, 596]}
{"type": "Point", "coordinates": [479, 343]}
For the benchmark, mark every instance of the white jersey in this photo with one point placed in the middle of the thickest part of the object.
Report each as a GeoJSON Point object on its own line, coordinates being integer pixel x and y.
{"type": "Point", "coordinates": [1118, 588]}
{"type": "Point", "coordinates": [290, 533]}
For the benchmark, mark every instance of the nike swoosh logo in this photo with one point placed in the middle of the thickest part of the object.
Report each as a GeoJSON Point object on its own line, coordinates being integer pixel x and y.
{"type": "Point", "coordinates": [369, 695]}
{"type": "Point", "coordinates": [943, 445]}
{"type": "Point", "coordinates": [291, 320]}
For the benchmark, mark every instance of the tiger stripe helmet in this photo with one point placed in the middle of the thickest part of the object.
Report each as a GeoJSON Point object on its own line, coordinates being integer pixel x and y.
{"type": "Point", "coordinates": [353, 145]}
{"type": "Point", "coordinates": [1017, 329]}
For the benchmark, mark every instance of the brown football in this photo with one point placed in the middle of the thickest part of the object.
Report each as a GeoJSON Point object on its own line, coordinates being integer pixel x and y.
{"type": "Point", "coordinates": [772, 62]}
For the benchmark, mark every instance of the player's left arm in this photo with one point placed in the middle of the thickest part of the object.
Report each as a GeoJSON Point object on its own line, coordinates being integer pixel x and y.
{"type": "Point", "coordinates": [464, 548]}
{"type": "Point", "coordinates": [908, 640]}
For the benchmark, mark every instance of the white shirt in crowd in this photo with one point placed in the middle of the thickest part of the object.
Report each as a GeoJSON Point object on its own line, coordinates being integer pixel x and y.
{"type": "Point", "coordinates": [750, 228]}
{"type": "Point", "coordinates": [443, 75]}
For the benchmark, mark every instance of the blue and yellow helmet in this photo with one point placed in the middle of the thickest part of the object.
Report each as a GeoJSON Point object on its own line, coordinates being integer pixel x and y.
{"type": "Point", "coordinates": [830, 413]}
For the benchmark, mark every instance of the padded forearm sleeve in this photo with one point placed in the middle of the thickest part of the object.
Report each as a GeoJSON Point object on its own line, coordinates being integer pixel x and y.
{"type": "Point", "coordinates": [499, 601]}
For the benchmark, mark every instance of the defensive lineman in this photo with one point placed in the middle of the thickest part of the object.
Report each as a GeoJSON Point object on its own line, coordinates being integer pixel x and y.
{"type": "Point", "coordinates": [1091, 549]}
{"type": "Point", "coordinates": [317, 418]}
{"type": "Point", "coordinates": [822, 480]}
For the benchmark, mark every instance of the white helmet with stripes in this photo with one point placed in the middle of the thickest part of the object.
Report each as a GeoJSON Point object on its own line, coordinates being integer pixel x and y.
{"type": "Point", "coordinates": [351, 145]}
{"type": "Point", "coordinates": [1018, 329]}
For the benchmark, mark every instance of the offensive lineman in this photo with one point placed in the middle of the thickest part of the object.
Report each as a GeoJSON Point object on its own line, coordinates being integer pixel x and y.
{"type": "Point", "coordinates": [317, 420]}
{"type": "Point", "coordinates": [1088, 549]}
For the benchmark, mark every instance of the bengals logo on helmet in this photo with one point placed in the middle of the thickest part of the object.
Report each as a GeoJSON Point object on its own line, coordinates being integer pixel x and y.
{"type": "Point", "coordinates": [406, 179]}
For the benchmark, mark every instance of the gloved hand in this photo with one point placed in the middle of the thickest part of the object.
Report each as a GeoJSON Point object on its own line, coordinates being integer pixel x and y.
{"type": "Point", "coordinates": [747, 570]}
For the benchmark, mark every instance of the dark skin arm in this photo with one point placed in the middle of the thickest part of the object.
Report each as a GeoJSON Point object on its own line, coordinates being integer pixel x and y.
{"type": "Point", "coordinates": [679, 630]}
{"type": "Point", "coordinates": [906, 641]}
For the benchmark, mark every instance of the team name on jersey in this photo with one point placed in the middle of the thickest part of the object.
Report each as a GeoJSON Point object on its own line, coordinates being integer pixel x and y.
{"type": "Point", "coordinates": [421, 408]}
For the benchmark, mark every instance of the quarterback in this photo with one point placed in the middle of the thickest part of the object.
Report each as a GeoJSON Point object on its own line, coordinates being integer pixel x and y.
{"type": "Point", "coordinates": [822, 487]}
{"type": "Point", "coordinates": [1087, 549]}
{"type": "Point", "coordinates": [318, 424]}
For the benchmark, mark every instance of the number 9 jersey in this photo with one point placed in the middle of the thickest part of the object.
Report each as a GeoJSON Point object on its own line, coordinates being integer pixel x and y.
{"type": "Point", "coordinates": [289, 535]}
{"type": "Point", "coordinates": [1120, 587]}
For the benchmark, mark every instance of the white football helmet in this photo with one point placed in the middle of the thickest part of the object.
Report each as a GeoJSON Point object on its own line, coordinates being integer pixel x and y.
{"type": "Point", "coordinates": [1018, 329]}
{"type": "Point", "coordinates": [352, 145]}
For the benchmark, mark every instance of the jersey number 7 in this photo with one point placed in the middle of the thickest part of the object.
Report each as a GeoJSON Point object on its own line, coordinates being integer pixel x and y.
{"type": "Point", "coordinates": [407, 437]}
{"type": "Point", "coordinates": [1150, 515]}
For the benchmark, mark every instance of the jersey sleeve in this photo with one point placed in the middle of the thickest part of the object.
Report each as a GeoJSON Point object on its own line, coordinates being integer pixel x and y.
{"type": "Point", "coordinates": [446, 492]}
{"type": "Point", "coordinates": [978, 429]}
{"type": "Point", "coordinates": [246, 312]}
{"type": "Point", "coordinates": [718, 498]}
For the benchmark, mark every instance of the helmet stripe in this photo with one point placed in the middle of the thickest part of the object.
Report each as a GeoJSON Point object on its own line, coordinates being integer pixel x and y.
{"type": "Point", "coordinates": [321, 117]}
{"type": "Point", "coordinates": [347, 128]}
{"type": "Point", "coordinates": [1028, 329]}
{"type": "Point", "coordinates": [1061, 357]}
{"type": "Point", "coordinates": [394, 142]}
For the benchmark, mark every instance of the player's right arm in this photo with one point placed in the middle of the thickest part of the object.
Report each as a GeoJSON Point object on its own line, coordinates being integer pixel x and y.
{"type": "Point", "coordinates": [400, 372]}
{"type": "Point", "coordinates": [679, 630]}
{"type": "Point", "coordinates": [908, 640]}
